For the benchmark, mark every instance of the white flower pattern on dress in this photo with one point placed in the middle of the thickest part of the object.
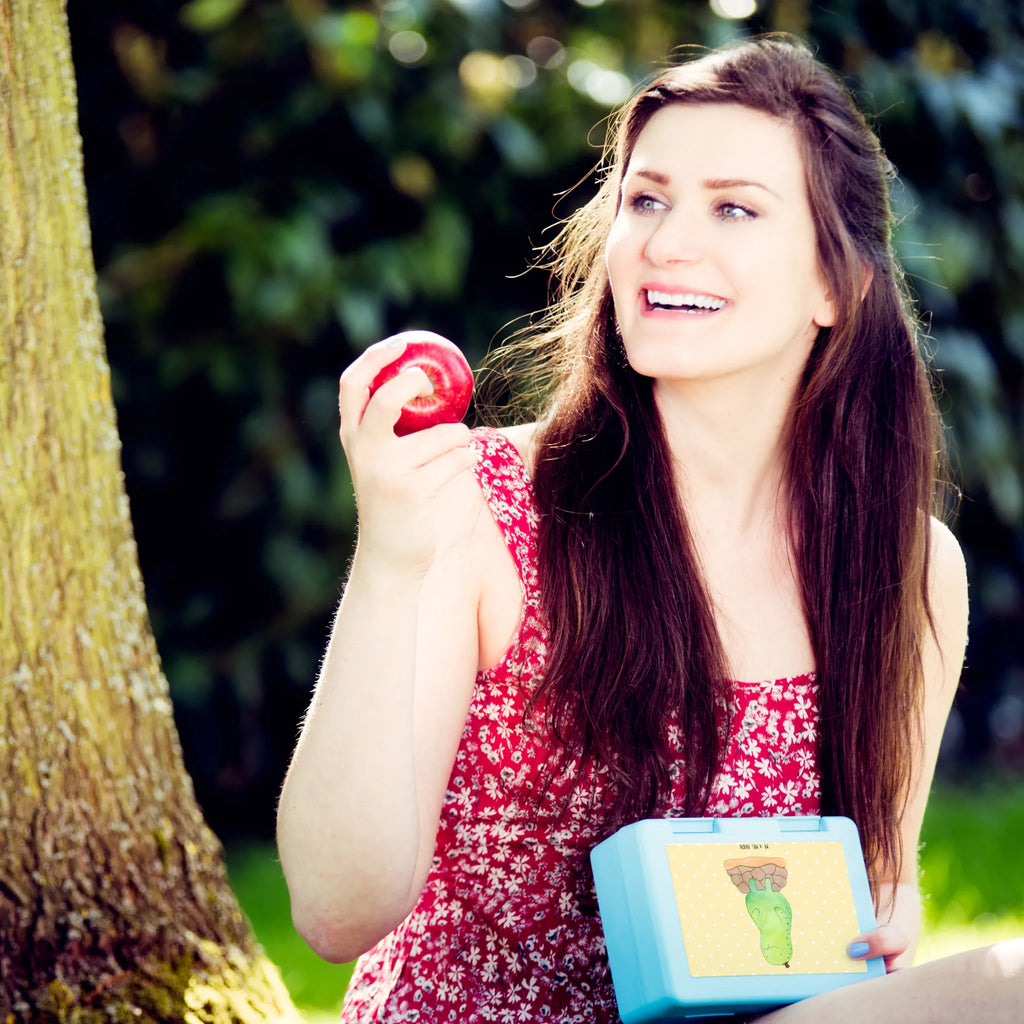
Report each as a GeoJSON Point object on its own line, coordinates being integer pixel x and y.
{"type": "Point", "coordinates": [506, 928]}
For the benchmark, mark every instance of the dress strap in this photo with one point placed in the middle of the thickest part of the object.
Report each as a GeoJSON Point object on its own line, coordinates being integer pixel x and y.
{"type": "Point", "coordinates": [505, 482]}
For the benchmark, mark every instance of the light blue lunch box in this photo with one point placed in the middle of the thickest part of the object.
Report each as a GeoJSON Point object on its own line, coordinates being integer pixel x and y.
{"type": "Point", "coordinates": [715, 916]}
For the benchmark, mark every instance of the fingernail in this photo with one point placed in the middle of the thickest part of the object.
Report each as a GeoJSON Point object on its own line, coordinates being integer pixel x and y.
{"type": "Point", "coordinates": [858, 950]}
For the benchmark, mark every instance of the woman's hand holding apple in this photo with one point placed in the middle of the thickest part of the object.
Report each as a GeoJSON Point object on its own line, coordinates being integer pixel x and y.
{"type": "Point", "coordinates": [396, 478]}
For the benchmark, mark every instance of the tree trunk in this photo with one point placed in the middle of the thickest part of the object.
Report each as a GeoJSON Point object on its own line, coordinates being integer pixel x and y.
{"type": "Point", "coordinates": [114, 903]}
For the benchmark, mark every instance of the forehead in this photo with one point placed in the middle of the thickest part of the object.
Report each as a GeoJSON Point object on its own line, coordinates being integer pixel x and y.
{"type": "Point", "coordinates": [719, 141]}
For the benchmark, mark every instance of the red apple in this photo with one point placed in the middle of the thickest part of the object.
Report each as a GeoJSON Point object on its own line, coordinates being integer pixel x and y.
{"type": "Point", "coordinates": [449, 373]}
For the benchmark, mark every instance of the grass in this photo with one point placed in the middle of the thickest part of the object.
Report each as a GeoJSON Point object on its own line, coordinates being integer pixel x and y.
{"type": "Point", "coordinates": [316, 987]}
{"type": "Point", "coordinates": [972, 870]}
{"type": "Point", "coordinates": [972, 867]}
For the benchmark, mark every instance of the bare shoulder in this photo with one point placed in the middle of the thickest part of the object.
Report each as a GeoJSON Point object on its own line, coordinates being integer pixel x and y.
{"type": "Point", "coordinates": [523, 438]}
{"type": "Point", "coordinates": [463, 507]}
{"type": "Point", "coordinates": [947, 574]}
{"type": "Point", "coordinates": [947, 595]}
{"type": "Point", "coordinates": [461, 513]}
{"type": "Point", "coordinates": [468, 566]}
{"type": "Point", "coordinates": [501, 589]}
{"type": "Point", "coordinates": [945, 546]}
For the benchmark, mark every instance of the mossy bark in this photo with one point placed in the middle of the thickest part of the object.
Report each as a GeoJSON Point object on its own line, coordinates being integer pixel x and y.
{"type": "Point", "coordinates": [114, 904]}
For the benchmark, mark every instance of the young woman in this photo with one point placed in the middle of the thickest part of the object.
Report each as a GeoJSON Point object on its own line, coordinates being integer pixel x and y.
{"type": "Point", "coordinates": [706, 580]}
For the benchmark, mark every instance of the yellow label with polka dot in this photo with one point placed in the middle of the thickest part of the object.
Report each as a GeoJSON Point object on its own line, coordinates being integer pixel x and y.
{"type": "Point", "coordinates": [778, 908]}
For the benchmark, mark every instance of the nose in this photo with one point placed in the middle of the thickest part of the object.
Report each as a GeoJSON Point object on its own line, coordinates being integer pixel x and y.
{"type": "Point", "coordinates": [675, 238]}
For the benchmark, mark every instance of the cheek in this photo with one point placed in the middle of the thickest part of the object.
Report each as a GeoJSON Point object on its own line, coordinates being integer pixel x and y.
{"type": "Point", "coordinates": [617, 259]}
{"type": "Point", "coordinates": [611, 248]}
{"type": "Point", "coordinates": [786, 275]}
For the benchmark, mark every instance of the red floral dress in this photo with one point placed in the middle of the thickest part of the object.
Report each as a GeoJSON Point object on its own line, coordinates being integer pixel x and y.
{"type": "Point", "coordinates": [506, 928]}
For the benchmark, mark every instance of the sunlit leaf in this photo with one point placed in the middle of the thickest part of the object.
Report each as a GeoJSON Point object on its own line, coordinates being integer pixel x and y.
{"type": "Point", "coordinates": [209, 15]}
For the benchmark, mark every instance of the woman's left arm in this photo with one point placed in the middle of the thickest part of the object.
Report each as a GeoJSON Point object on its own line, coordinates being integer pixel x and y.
{"type": "Point", "coordinates": [943, 650]}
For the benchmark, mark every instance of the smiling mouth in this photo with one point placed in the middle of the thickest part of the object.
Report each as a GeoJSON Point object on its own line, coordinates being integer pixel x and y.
{"type": "Point", "coordinates": [683, 302]}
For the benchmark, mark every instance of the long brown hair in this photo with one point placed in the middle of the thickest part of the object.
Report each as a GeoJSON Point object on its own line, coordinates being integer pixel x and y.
{"type": "Point", "coordinates": [633, 639]}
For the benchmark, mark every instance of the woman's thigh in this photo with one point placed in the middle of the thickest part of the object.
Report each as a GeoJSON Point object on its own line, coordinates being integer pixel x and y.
{"type": "Point", "coordinates": [984, 985]}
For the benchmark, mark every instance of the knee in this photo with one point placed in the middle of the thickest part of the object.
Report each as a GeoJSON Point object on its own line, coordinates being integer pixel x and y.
{"type": "Point", "coordinates": [1006, 959]}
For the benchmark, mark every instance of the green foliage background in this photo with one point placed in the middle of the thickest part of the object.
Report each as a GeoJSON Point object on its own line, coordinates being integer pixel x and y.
{"type": "Point", "coordinates": [275, 184]}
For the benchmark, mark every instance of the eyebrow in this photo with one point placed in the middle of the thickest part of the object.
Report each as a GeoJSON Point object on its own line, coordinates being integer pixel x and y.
{"type": "Point", "coordinates": [711, 184]}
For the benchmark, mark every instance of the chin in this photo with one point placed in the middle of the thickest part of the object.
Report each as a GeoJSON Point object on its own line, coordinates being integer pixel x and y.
{"type": "Point", "coordinates": [646, 365]}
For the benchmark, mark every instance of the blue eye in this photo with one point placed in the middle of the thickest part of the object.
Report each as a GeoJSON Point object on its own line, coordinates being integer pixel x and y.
{"type": "Point", "coordinates": [643, 203]}
{"type": "Point", "coordinates": [733, 211]}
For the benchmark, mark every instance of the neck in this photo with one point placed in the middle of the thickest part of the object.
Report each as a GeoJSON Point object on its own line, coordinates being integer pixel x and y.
{"type": "Point", "coordinates": [728, 444]}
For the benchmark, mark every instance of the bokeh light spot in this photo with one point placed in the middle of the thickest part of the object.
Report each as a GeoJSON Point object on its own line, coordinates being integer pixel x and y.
{"type": "Point", "coordinates": [602, 85]}
{"type": "Point", "coordinates": [484, 78]}
{"type": "Point", "coordinates": [545, 51]}
{"type": "Point", "coordinates": [408, 47]}
{"type": "Point", "coordinates": [734, 8]}
{"type": "Point", "coordinates": [518, 71]}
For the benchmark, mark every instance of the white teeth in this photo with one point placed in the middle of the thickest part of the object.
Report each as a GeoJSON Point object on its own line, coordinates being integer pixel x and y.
{"type": "Point", "coordinates": [684, 299]}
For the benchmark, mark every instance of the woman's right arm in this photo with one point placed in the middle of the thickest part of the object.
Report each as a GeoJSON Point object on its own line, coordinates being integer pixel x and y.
{"type": "Point", "coordinates": [361, 801]}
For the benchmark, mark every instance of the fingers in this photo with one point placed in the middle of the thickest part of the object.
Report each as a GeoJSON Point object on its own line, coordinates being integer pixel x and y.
{"type": "Point", "coordinates": [385, 404]}
{"type": "Point", "coordinates": [354, 387]}
{"type": "Point", "coordinates": [441, 454]}
{"type": "Point", "coordinates": [413, 467]}
{"type": "Point", "coordinates": [889, 941]}
{"type": "Point", "coordinates": [398, 482]}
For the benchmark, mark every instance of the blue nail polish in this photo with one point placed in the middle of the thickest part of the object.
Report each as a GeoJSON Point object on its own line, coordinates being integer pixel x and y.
{"type": "Point", "coordinates": [858, 950]}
